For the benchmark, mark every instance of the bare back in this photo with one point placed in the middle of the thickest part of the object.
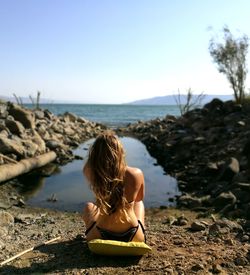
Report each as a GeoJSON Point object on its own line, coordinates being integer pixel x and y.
{"type": "Point", "coordinates": [134, 194]}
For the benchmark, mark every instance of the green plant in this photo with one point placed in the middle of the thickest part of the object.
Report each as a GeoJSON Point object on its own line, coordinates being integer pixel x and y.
{"type": "Point", "coordinates": [188, 101]}
{"type": "Point", "coordinates": [230, 56]}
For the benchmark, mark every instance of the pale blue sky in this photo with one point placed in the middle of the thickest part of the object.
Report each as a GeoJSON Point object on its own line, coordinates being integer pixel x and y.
{"type": "Point", "coordinates": [103, 51]}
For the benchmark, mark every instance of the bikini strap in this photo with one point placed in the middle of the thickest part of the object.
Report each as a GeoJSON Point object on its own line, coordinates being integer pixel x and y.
{"type": "Point", "coordinates": [143, 230]}
{"type": "Point", "coordinates": [92, 225]}
{"type": "Point", "coordinates": [131, 238]}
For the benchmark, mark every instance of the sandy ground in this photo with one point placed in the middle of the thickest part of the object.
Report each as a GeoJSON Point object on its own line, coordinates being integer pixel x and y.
{"type": "Point", "coordinates": [175, 248]}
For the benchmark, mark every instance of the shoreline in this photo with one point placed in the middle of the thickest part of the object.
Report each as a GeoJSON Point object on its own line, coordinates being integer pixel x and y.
{"type": "Point", "coordinates": [183, 241]}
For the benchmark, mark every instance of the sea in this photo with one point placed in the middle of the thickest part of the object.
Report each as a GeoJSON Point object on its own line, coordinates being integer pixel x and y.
{"type": "Point", "coordinates": [113, 115]}
{"type": "Point", "coordinates": [68, 184]}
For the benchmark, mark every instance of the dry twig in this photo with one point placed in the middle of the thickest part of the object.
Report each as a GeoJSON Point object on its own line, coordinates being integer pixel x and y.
{"type": "Point", "coordinates": [28, 250]}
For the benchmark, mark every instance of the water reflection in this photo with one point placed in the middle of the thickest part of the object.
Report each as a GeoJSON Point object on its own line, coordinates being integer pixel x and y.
{"type": "Point", "coordinates": [72, 190]}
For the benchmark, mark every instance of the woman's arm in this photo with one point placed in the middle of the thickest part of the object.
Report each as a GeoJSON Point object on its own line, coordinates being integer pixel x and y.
{"type": "Point", "coordinates": [134, 184]}
{"type": "Point", "coordinates": [141, 192]}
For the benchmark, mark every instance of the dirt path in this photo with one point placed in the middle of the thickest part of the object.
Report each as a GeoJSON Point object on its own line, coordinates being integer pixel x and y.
{"type": "Point", "coordinates": [176, 249]}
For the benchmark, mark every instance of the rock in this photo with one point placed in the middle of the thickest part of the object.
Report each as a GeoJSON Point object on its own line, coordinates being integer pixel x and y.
{"type": "Point", "coordinates": [69, 131]}
{"type": "Point", "coordinates": [4, 205]}
{"type": "Point", "coordinates": [246, 150]}
{"type": "Point", "coordinates": [189, 201]}
{"type": "Point", "coordinates": [39, 114]}
{"type": "Point", "coordinates": [224, 226]}
{"type": "Point", "coordinates": [231, 168]}
{"type": "Point", "coordinates": [232, 226]}
{"type": "Point", "coordinates": [20, 203]}
{"type": "Point", "coordinates": [241, 123]}
{"type": "Point", "coordinates": [48, 170]}
{"type": "Point", "coordinates": [82, 120]}
{"type": "Point", "coordinates": [198, 267]}
{"type": "Point", "coordinates": [217, 269]}
{"type": "Point", "coordinates": [241, 195]}
{"type": "Point", "coordinates": [2, 245]}
{"type": "Point", "coordinates": [6, 219]}
{"type": "Point", "coordinates": [3, 110]}
{"type": "Point", "coordinates": [30, 148]}
{"type": "Point", "coordinates": [36, 138]}
{"type": "Point", "coordinates": [24, 116]}
{"type": "Point", "coordinates": [8, 146]}
{"type": "Point", "coordinates": [24, 218]}
{"type": "Point", "coordinates": [215, 104]}
{"type": "Point", "coordinates": [224, 199]}
{"type": "Point", "coordinates": [171, 220]}
{"type": "Point", "coordinates": [70, 117]}
{"type": "Point", "coordinates": [241, 261]}
{"type": "Point", "coordinates": [41, 129]}
{"type": "Point", "coordinates": [15, 127]}
{"type": "Point", "coordinates": [214, 229]}
{"type": "Point", "coordinates": [197, 226]}
{"type": "Point", "coordinates": [54, 144]}
{"type": "Point", "coordinates": [243, 186]}
{"type": "Point", "coordinates": [48, 114]}
{"type": "Point", "coordinates": [245, 238]}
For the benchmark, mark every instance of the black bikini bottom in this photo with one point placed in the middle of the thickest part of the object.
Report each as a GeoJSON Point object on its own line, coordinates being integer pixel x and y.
{"type": "Point", "coordinates": [126, 236]}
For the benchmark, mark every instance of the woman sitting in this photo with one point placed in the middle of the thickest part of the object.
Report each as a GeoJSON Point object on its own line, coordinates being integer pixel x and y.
{"type": "Point", "coordinates": [119, 190]}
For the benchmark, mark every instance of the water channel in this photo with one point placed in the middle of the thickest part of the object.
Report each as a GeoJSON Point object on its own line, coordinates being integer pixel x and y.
{"type": "Point", "coordinates": [67, 189]}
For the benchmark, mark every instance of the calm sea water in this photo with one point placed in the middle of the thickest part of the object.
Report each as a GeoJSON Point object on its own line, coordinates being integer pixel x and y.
{"type": "Point", "coordinates": [113, 115]}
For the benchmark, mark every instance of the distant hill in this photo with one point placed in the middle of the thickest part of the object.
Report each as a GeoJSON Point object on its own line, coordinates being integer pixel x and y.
{"type": "Point", "coordinates": [169, 100]}
{"type": "Point", "coordinates": [26, 100]}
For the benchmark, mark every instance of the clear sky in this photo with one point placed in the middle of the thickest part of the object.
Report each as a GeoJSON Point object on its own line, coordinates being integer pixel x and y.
{"type": "Point", "coordinates": [114, 51]}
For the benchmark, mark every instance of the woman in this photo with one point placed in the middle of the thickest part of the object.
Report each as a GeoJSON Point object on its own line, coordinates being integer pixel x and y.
{"type": "Point", "coordinates": [119, 190]}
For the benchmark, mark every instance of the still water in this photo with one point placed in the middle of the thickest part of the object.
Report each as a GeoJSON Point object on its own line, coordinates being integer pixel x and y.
{"type": "Point", "coordinates": [71, 190]}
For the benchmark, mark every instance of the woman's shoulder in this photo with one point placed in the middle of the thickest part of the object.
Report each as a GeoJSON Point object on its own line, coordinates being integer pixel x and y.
{"type": "Point", "coordinates": [133, 176]}
{"type": "Point", "coordinates": [134, 184]}
{"type": "Point", "coordinates": [133, 172]}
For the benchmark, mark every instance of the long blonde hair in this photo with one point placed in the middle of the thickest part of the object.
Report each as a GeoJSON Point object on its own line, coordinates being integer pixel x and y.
{"type": "Point", "coordinates": [106, 163]}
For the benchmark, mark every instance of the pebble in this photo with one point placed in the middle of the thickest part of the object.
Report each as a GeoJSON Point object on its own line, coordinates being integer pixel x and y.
{"type": "Point", "coordinates": [198, 267]}
{"type": "Point", "coordinates": [242, 261]}
{"type": "Point", "coordinates": [197, 226]}
{"type": "Point", "coordinates": [6, 219]}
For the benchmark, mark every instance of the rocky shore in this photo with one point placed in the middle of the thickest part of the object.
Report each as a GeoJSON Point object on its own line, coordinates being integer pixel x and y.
{"type": "Point", "coordinates": [207, 150]}
{"type": "Point", "coordinates": [26, 133]}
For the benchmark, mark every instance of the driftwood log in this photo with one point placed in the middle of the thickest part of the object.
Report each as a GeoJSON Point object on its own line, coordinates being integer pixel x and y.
{"type": "Point", "coordinates": [12, 170]}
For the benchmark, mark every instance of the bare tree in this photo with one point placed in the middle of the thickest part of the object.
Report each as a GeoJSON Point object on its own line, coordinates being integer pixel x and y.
{"type": "Point", "coordinates": [230, 56]}
{"type": "Point", "coordinates": [188, 101]}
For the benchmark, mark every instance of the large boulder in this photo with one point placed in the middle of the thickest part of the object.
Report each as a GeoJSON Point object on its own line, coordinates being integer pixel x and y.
{"type": "Point", "coordinates": [8, 146]}
{"type": "Point", "coordinates": [15, 127]}
{"type": "Point", "coordinates": [24, 116]}
{"type": "Point", "coordinates": [36, 138]}
{"type": "Point", "coordinates": [224, 199]}
{"type": "Point", "coordinates": [215, 104]}
{"type": "Point", "coordinates": [230, 169]}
